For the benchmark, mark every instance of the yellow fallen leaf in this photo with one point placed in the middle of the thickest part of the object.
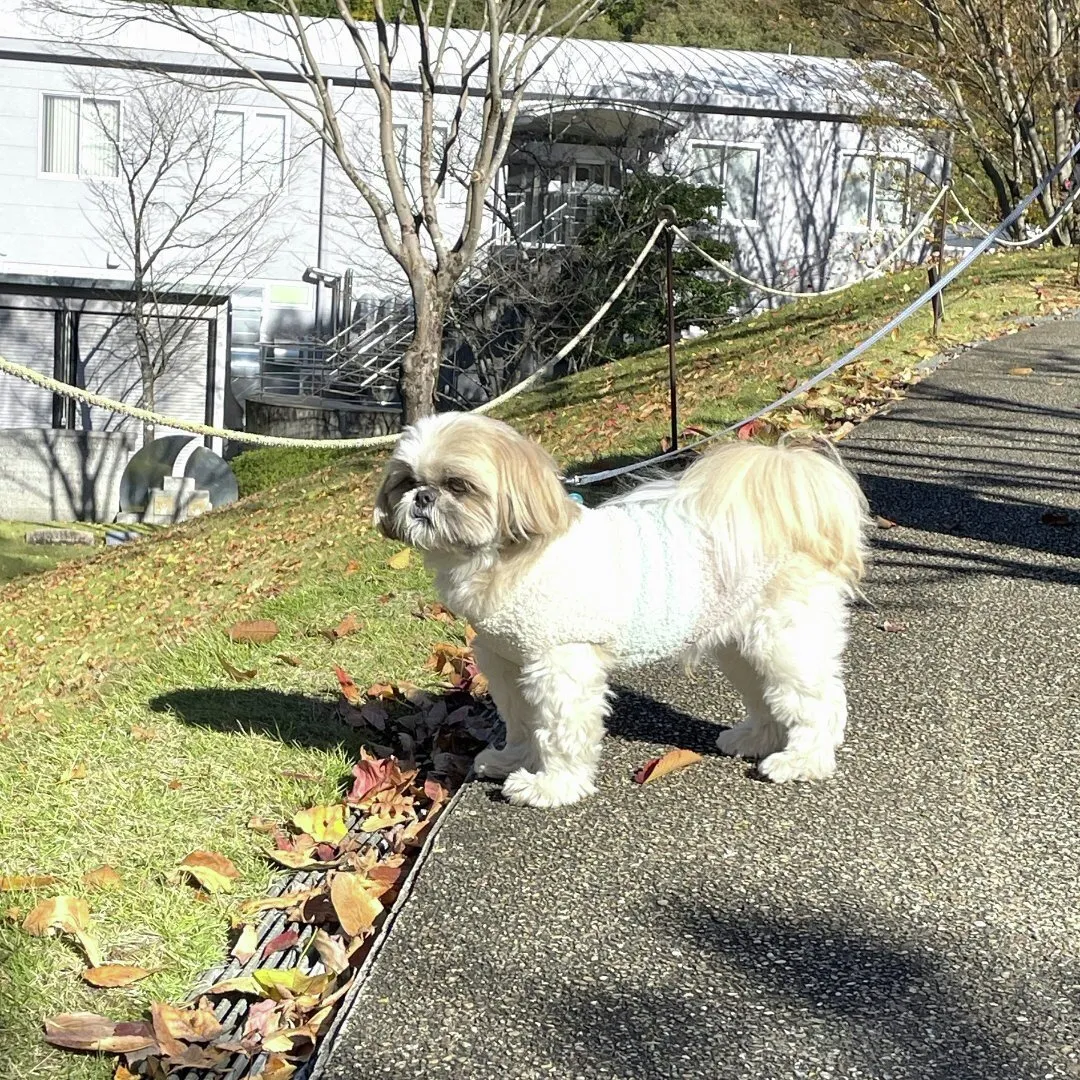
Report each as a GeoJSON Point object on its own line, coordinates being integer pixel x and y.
{"type": "Point", "coordinates": [1021, 371]}
{"type": "Point", "coordinates": [275, 981]}
{"type": "Point", "coordinates": [356, 908]}
{"type": "Point", "coordinates": [400, 560]}
{"type": "Point", "coordinates": [244, 984]}
{"type": "Point", "coordinates": [110, 975]}
{"type": "Point", "coordinates": [23, 882]}
{"type": "Point", "coordinates": [246, 945]}
{"type": "Point", "coordinates": [212, 871]}
{"type": "Point", "coordinates": [76, 772]}
{"type": "Point", "coordinates": [324, 824]}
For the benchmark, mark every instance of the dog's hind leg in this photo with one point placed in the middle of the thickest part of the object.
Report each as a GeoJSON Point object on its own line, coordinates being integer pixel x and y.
{"type": "Point", "coordinates": [758, 735]}
{"type": "Point", "coordinates": [567, 694]}
{"type": "Point", "coordinates": [504, 685]}
{"type": "Point", "coordinates": [796, 643]}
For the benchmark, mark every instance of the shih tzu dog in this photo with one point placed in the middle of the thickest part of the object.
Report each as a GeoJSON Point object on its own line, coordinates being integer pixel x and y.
{"type": "Point", "coordinates": [748, 558]}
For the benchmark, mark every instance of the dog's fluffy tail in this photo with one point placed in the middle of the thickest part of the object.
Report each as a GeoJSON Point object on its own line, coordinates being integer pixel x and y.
{"type": "Point", "coordinates": [796, 498]}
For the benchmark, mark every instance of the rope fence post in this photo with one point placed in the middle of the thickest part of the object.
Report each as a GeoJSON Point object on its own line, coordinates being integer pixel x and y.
{"type": "Point", "coordinates": [667, 214]}
{"type": "Point", "coordinates": [937, 266]}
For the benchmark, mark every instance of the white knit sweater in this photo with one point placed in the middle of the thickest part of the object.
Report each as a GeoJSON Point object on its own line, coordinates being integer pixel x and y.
{"type": "Point", "coordinates": [637, 578]}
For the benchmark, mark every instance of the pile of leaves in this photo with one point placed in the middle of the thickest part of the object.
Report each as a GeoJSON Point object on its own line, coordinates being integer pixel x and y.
{"type": "Point", "coordinates": [349, 860]}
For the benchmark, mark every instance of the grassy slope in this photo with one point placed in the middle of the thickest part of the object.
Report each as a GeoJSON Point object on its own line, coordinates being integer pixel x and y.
{"type": "Point", "coordinates": [115, 662]}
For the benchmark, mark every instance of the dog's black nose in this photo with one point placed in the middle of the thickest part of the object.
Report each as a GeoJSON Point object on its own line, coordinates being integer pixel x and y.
{"type": "Point", "coordinates": [424, 498]}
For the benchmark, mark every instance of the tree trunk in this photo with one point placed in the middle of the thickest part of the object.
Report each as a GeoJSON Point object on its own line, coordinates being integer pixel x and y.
{"type": "Point", "coordinates": [420, 364]}
{"type": "Point", "coordinates": [146, 365]}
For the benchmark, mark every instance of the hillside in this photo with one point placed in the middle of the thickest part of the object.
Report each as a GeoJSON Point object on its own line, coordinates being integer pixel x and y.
{"type": "Point", "coordinates": [133, 730]}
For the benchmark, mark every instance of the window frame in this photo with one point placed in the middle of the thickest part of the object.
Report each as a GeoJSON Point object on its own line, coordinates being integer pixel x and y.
{"type": "Point", "coordinates": [726, 216]}
{"type": "Point", "coordinates": [248, 113]}
{"type": "Point", "coordinates": [78, 176]}
{"type": "Point", "coordinates": [875, 157]}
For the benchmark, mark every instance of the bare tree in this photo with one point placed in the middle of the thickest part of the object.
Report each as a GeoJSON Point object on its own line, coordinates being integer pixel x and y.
{"type": "Point", "coordinates": [183, 207]}
{"type": "Point", "coordinates": [469, 86]}
{"type": "Point", "coordinates": [1004, 81]}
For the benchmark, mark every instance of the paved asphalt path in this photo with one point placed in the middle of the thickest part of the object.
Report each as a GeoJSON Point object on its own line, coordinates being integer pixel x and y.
{"type": "Point", "coordinates": [917, 916]}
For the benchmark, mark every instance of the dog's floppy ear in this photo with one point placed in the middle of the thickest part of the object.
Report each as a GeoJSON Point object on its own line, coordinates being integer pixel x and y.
{"type": "Point", "coordinates": [394, 484]}
{"type": "Point", "coordinates": [532, 501]}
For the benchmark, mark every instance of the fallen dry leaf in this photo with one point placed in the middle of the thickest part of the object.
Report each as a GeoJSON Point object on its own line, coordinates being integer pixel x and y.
{"type": "Point", "coordinates": [285, 940]}
{"type": "Point", "coordinates": [212, 871]}
{"type": "Point", "coordinates": [174, 1026]}
{"type": "Point", "coordinates": [331, 952]}
{"type": "Point", "coordinates": [884, 522]}
{"type": "Point", "coordinates": [891, 627]}
{"type": "Point", "coordinates": [22, 882]}
{"type": "Point", "coordinates": [288, 658]}
{"type": "Point", "coordinates": [76, 772]}
{"type": "Point", "coordinates": [1021, 371]}
{"type": "Point", "coordinates": [69, 915]}
{"type": "Point", "coordinates": [277, 1068]}
{"type": "Point", "coordinates": [349, 625]}
{"type": "Point", "coordinates": [1057, 518]}
{"type": "Point", "coordinates": [237, 674]}
{"type": "Point", "coordinates": [400, 560]}
{"type": "Point", "coordinates": [88, 1031]}
{"type": "Point", "coordinates": [348, 688]}
{"type": "Point", "coordinates": [290, 980]}
{"type": "Point", "coordinates": [670, 762]}
{"type": "Point", "coordinates": [255, 631]}
{"type": "Point", "coordinates": [144, 734]}
{"type": "Point", "coordinates": [246, 944]}
{"type": "Point", "coordinates": [286, 900]}
{"type": "Point", "coordinates": [435, 613]}
{"type": "Point", "coordinates": [110, 975]}
{"type": "Point", "coordinates": [324, 824]}
{"type": "Point", "coordinates": [295, 860]}
{"type": "Point", "coordinates": [243, 984]}
{"type": "Point", "coordinates": [261, 825]}
{"type": "Point", "coordinates": [102, 877]}
{"type": "Point", "coordinates": [356, 908]}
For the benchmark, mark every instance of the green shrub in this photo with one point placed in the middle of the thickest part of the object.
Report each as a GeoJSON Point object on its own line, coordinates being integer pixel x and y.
{"type": "Point", "coordinates": [262, 467]}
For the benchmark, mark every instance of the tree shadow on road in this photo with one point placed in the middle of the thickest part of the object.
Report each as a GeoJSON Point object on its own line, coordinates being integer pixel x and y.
{"type": "Point", "coordinates": [799, 995]}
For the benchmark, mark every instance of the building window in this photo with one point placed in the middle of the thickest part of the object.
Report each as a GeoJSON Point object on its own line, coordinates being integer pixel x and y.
{"type": "Point", "coordinates": [875, 192]}
{"type": "Point", "coordinates": [80, 136]}
{"type": "Point", "coordinates": [552, 204]}
{"type": "Point", "coordinates": [737, 171]}
{"type": "Point", "coordinates": [253, 142]}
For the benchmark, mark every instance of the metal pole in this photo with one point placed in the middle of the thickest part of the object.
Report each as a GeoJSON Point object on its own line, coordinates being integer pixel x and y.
{"type": "Point", "coordinates": [321, 223]}
{"type": "Point", "coordinates": [669, 245]}
{"type": "Point", "coordinates": [938, 302]}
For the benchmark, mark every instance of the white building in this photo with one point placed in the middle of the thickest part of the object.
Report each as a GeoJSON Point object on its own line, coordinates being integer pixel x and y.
{"type": "Point", "coordinates": [816, 183]}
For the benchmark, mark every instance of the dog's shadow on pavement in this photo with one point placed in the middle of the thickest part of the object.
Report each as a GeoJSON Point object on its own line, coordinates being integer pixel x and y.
{"type": "Point", "coordinates": [812, 991]}
{"type": "Point", "coordinates": [636, 717]}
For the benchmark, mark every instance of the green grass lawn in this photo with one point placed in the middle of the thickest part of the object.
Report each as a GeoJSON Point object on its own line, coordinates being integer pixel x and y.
{"type": "Point", "coordinates": [112, 665]}
{"type": "Point", "coordinates": [18, 557]}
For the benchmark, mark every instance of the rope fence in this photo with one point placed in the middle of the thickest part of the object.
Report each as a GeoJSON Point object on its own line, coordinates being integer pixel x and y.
{"type": "Point", "coordinates": [992, 238]}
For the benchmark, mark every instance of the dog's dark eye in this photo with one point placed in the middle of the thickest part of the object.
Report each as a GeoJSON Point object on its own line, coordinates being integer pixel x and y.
{"type": "Point", "coordinates": [456, 485]}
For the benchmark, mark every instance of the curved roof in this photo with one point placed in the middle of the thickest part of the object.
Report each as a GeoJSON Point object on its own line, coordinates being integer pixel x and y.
{"type": "Point", "coordinates": [657, 75]}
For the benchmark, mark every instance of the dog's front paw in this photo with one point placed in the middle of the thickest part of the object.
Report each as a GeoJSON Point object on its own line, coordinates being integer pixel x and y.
{"type": "Point", "coordinates": [546, 790]}
{"type": "Point", "coordinates": [749, 739]}
{"type": "Point", "coordinates": [495, 764]}
{"type": "Point", "coordinates": [791, 765]}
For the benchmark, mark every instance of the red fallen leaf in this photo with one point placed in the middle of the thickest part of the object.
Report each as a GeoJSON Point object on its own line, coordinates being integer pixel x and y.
{"type": "Point", "coordinates": [892, 627]}
{"type": "Point", "coordinates": [750, 429]}
{"type": "Point", "coordinates": [285, 940]}
{"type": "Point", "coordinates": [325, 852]}
{"type": "Point", "coordinates": [352, 566]}
{"type": "Point", "coordinates": [348, 688]}
{"type": "Point", "coordinates": [257, 1021]}
{"type": "Point", "coordinates": [436, 792]}
{"type": "Point", "coordinates": [88, 1031]}
{"type": "Point", "coordinates": [668, 763]}
{"type": "Point", "coordinates": [373, 774]}
{"type": "Point", "coordinates": [256, 631]}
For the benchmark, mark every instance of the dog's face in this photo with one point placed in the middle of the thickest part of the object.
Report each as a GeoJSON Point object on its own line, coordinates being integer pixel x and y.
{"type": "Point", "coordinates": [461, 483]}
